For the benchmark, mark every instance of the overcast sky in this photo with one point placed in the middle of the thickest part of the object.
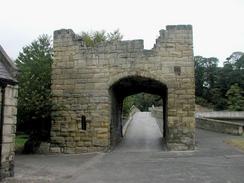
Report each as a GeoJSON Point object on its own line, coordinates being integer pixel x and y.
{"type": "Point", "coordinates": [217, 24]}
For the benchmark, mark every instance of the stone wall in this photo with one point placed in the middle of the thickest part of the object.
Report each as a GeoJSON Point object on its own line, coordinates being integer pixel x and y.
{"type": "Point", "coordinates": [82, 78]}
{"type": "Point", "coordinates": [220, 126]}
{"type": "Point", "coordinates": [9, 128]}
{"type": "Point", "coordinates": [228, 115]}
{"type": "Point", "coordinates": [133, 111]}
{"type": "Point", "coordinates": [157, 113]}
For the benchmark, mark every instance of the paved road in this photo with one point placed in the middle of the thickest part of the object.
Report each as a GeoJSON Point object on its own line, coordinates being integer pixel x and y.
{"type": "Point", "coordinates": [142, 134]}
{"type": "Point", "coordinates": [139, 159]}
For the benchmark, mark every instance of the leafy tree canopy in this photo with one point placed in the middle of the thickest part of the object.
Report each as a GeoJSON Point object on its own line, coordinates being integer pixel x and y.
{"type": "Point", "coordinates": [213, 82]}
{"type": "Point", "coordinates": [93, 38]}
{"type": "Point", "coordinates": [34, 102]}
{"type": "Point", "coordinates": [235, 98]}
{"type": "Point", "coordinates": [142, 101]}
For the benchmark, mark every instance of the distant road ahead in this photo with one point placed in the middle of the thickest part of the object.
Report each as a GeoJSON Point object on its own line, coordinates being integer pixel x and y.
{"type": "Point", "coordinates": [143, 134]}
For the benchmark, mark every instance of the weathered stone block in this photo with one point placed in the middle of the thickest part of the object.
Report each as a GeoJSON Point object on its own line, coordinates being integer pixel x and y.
{"type": "Point", "coordinates": [55, 149]}
{"type": "Point", "coordinates": [60, 140]}
{"type": "Point", "coordinates": [44, 148]}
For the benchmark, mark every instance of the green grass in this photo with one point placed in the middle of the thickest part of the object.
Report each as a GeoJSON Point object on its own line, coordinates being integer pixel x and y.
{"type": "Point", "coordinates": [236, 142]}
{"type": "Point", "coordinates": [19, 142]}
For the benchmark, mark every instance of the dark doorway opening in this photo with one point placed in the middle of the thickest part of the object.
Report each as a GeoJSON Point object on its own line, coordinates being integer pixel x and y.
{"type": "Point", "coordinates": [130, 86]}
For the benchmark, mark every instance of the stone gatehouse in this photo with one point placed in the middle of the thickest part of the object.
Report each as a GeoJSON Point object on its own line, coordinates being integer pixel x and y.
{"type": "Point", "coordinates": [90, 83]}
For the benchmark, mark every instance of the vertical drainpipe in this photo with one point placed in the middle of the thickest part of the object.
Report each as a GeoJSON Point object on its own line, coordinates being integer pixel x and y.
{"type": "Point", "coordinates": [2, 122]}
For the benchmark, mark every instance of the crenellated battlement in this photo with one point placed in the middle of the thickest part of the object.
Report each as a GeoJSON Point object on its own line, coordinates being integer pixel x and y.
{"type": "Point", "coordinates": [175, 34]}
{"type": "Point", "coordinates": [172, 34]}
{"type": "Point", "coordinates": [67, 35]}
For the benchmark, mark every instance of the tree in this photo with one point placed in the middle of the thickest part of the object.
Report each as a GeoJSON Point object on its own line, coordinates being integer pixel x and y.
{"type": "Point", "coordinates": [142, 101]}
{"type": "Point", "coordinates": [34, 102]}
{"type": "Point", "coordinates": [205, 76]}
{"type": "Point", "coordinates": [236, 59]}
{"type": "Point", "coordinates": [240, 63]}
{"type": "Point", "coordinates": [91, 39]}
{"type": "Point", "coordinates": [235, 98]}
{"type": "Point", "coordinates": [213, 83]}
{"type": "Point", "coordinates": [199, 75]}
{"type": "Point", "coordinates": [114, 36]}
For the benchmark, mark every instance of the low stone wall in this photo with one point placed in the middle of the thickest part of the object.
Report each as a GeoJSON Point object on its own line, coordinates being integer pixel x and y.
{"type": "Point", "coordinates": [133, 110]}
{"type": "Point", "coordinates": [221, 115]}
{"type": "Point", "coordinates": [219, 126]}
{"type": "Point", "coordinates": [157, 113]}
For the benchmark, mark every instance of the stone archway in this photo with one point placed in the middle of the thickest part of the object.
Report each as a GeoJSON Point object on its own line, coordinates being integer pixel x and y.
{"type": "Point", "coordinates": [129, 86]}
{"type": "Point", "coordinates": [85, 78]}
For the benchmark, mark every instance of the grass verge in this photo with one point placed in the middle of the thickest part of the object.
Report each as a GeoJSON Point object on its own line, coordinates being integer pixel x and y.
{"type": "Point", "coordinates": [20, 142]}
{"type": "Point", "coordinates": [236, 142]}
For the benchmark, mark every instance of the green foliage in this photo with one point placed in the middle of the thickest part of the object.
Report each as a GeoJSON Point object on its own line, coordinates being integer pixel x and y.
{"type": "Point", "coordinates": [212, 82]}
{"type": "Point", "coordinates": [205, 75]}
{"type": "Point", "coordinates": [235, 98]}
{"type": "Point", "coordinates": [199, 75]}
{"type": "Point", "coordinates": [217, 100]}
{"type": "Point", "coordinates": [142, 101]}
{"type": "Point", "coordinates": [236, 59]}
{"type": "Point", "coordinates": [19, 142]}
{"type": "Point", "coordinates": [127, 104]}
{"type": "Point", "coordinates": [34, 102]}
{"type": "Point", "coordinates": [239, 64]}
{"type": "Point", "coordinates": [203, 102]}
{"type": "Point", "coordinates": [114, 36]}
{"type": "Point", "coordinates": [91, 39]}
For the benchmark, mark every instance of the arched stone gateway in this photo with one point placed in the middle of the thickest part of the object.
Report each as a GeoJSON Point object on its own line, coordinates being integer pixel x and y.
{"type": "Point", "coordinates": [129, 86]}
{"type": "Point", "coordinates": [89, 85]}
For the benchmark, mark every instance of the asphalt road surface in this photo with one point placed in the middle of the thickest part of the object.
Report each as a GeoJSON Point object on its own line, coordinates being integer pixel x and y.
{"type": "Point", "coordinates": [142, 135]}
{"type": "Point", "coordinates": [139, 159]}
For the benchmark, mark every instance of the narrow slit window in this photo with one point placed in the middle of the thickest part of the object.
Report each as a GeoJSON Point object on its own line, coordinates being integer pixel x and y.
{"type": "Point", "coordinates": [83, 123]}
{"type": "Point", "coordinates": [177, 70]}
